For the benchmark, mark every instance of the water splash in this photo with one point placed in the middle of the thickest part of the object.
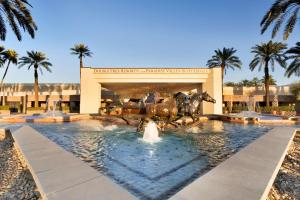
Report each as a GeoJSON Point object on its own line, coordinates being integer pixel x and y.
{"type": "Point", "coordinates": [151, 133]}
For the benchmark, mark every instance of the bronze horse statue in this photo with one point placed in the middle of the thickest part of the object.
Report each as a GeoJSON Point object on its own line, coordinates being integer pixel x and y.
{"type": "Point", "coordinates": [190, 105]}
{"type": "Point", "coordinates": [166, 109]}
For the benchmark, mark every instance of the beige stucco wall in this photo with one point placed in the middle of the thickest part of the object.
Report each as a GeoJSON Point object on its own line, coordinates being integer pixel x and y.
{"type": "Point", "coordinates": [91, 79]}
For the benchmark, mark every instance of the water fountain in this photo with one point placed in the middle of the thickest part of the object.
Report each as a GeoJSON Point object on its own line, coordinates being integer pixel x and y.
{"type": "Point", "coordinates": [53, 112]}
{"type": "Point", "coordinates": [151, 133]}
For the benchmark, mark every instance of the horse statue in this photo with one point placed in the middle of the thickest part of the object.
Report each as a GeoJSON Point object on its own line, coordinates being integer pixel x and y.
{"type": "Point", "coordinates": [195, 103]}
{"type": "Point", "coordinates": [190, 105]}
{"type": "Point", "coordinates": [165, 109]}
{"type": "Point", "coordinates": [182, 103]}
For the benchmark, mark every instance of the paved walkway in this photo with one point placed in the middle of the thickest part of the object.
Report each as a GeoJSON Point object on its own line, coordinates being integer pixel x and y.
{"type": "Point", "coordinates": [247, 175]}
{"type": "Point", "coordinates": [59, 174]}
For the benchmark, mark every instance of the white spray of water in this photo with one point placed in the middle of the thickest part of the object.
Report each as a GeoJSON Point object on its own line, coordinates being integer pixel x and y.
{"type": "Point", "coordinates": [194, 129]}
{"type": "Point", "coordinates": [151, 133]}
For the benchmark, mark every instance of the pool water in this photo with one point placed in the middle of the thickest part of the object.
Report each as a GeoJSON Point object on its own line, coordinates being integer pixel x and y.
{"type": "Point", "coordinates": [152, 171]}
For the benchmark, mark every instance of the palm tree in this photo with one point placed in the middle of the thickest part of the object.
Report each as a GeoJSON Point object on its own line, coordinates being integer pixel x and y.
{"type": "Point", "coordinates": [1, 55]}
{"type": "Point", "coordinates": [255, 82]}
{"type": "Point", "coordinates": [82, 51]}
{"type": "Point", "coordinates": [39, 61]}
{"type": "Point", "coordinates": [18, 16]}
{"type": "Point", "coordinates": [265, 54]}
{"type": "Point", "coordinates": [282, 11]}
{"type": "Point", "coordinates": [294, 67]}
{"type": "Point", "coordinates": [272, 81]}
{"type": "Point", "coordinates": [245, 83]}
{"type": "Point", "coordinates": [225, 59]}
{"type": "Point", "coordinates": [230, 84]}
{"type": "Point", "coordinates": [10, 56]}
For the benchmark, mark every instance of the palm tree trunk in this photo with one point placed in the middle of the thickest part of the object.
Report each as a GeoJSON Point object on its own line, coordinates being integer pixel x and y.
{"type": "Point", "coordinates": [2, 80]}
{"type": "Point", "coordinates": [81, 62]}
{"type": "Point", "coordinates": [267, 77]}
{"type": "Point", "coordinates": [81, 65]}
{"type": "Point", "coordinates": [36, 87]}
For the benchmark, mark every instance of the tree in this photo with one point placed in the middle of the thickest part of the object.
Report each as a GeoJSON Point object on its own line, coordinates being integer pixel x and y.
{"type": "Point", "coordinates": [39, 61]}
{"type": "Point", "coordinates": [272, 81]}
{"type": "Point", "coordinates": [281, 12]}
{"type": "Point", "coordinates": [16, 13]}
{"type": "Point", "coordinates": [1, 55]}
{"type": "Point", "coordinates": [245, 83]}
{"type": "Point", "coordinates": [265, 54]}
{"type": "Point", "coordinates": [82, 51]}
{"type": "Point", "coordinates": [255, 82]}
{"type": "Point", "coordinates": [225, 59]}
{"type": "Point", "coordinates": [9, 56]}
{"type": "Point", "coordinates": [294, 55]}
{"type": "Point", "coordinates": [230, 84]}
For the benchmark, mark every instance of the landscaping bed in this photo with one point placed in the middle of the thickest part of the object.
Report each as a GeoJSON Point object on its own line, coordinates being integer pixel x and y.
{"type": "Point", "coordinates": [287, 182]}
{"type": "Point", "coordinates": [16, 181]}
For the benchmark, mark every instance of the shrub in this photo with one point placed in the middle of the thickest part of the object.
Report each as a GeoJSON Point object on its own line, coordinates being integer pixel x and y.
{"type": "Point", "coordinates": [239, 108]}
{"type": "Point", "coordinates": [279, 108]}
{"type": "Point", "coordinates": [64, 108]}
{"type": "Point", "coordinates": [6, 107]}
{"type": "Point", "coordinates": [35, 108]}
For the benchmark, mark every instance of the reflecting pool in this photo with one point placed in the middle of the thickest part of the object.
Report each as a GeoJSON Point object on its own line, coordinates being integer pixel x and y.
{"type": "Point", "coordinates": [151, 170]}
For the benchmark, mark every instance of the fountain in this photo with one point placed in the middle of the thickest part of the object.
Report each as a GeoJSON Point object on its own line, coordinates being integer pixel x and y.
{"type": "Point", "coordinates": [53, 112]}
{"type": "Point", "coordinates": [151, 133]}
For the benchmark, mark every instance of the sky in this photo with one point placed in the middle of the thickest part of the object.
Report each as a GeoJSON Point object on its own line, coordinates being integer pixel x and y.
{"type": "Point", "coordinates": [143, 33]}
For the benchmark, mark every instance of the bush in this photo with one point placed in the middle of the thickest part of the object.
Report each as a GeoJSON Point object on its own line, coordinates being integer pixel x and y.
{"type": "Point", "coordinates": [279, 108]}
{"type": "Point", "coordinates": [6, 107]}
{"type": "Point", "coordinates": [64, 108]}
{"type": "Point", "coordinates": [239, 108]}
{"type": "Point", "coordinates": [35, 108]}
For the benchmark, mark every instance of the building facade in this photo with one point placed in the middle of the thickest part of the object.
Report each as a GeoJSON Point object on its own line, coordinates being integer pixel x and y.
{"type": "Point", "coordinates": [140, 81]}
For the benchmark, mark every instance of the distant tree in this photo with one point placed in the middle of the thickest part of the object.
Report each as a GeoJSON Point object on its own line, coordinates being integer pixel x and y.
{"type": "Point", "coordinates": [16, 13]}
{"type": "Point", "coordinates": [245, 83]}
{"type": "Point", "coordinates": [265, 54]}
{"type": "Point", "coordinates": [230, 84]}
{"type": "Point", "coordinates": [255, 82]}
{"type": "Point", "coordinates": [294, 55]}
{"type": "Point", "coordinates": [272, 81]}
{"type": "Point", "coordinates": [225, 59]}
{"type": "Point", "coordinates": [39, 61]}
{"type": "Point", "coordinates": [82, 51]}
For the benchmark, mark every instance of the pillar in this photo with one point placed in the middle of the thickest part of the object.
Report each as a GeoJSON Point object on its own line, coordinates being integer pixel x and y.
{"type": "Point", "coordinates": [90, 93]}
{"type": "Point", "coordinates": [213, 86]}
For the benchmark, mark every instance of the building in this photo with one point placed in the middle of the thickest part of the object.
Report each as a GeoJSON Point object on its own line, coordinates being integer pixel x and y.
{"type": "Point", "coordinates": [279, 95]}
{"type": "Point", "coordinates": [125, 83]}
{"type": "Point", "coordinates": [137, 82]}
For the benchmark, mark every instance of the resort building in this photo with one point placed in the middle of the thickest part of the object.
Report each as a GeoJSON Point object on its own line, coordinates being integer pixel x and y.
{"type": "Point", "coordinates": [124, 84]}
{"type": "Point", "coordinates": [279, 95]}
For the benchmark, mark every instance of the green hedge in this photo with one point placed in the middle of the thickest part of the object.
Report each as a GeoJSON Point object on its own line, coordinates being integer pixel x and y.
{"type": "Point", "coordinates": [6, 107]}
{"type": "Point", "coordinates": [36, 108]}
{"type": "Point", "coordinates": [279, 108]}
{"type": "Point", "coordinates": [65, 108]}
{"type": "Point", "coordinates": [238, 108]}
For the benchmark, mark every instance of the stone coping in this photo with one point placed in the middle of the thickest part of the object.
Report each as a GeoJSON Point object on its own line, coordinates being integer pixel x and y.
{"type": "Point", "coordinates": [255, 120]}
{"type": "Point", "coordinates": [59, 174]}
{"type": "Point", "coordinates": [247, 175]}
{"type": "Point", "coordinates": [46, 119]}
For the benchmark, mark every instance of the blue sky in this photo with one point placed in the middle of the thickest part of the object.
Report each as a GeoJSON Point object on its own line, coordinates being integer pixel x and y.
{"type": "Point", "coordinates": [143, 33]}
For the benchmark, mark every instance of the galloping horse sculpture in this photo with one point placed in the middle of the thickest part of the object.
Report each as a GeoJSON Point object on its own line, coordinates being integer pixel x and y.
{"type": "Point", "coordinates": [190, 105]}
